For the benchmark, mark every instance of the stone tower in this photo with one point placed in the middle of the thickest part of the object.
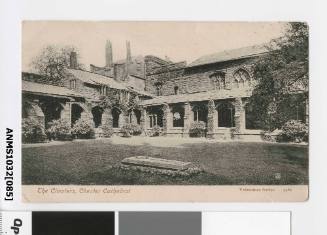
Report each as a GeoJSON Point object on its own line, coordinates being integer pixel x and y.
{"type": "Point", "coordinates": [109, 59]}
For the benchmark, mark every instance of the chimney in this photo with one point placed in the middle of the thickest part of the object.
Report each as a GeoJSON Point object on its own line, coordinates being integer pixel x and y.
{"type": "Point", "coordinates": [73, 60]}
{"type": "Point", "coordinates": [128, 52]}
{"type": "Point", "coordinates": [128, 59]}
{"type": "Point", "coordinates": [109, 60]}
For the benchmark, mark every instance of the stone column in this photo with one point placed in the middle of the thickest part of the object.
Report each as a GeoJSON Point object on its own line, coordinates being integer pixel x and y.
{"type": "Point", "coordinates": [211, 116]}
{"type": "Point", "coordinates": [106, 119]}
{"type": "Point", "coordinates": [239, 116]}
{"type": "Point", "coordinates": [86, 114]}
{"type": "Point", "coordinates": [167, 119]}
{"type": "Point", "coordinates": [134, 119]}
{"type": "Point", "coordinates": [187, 118]}
{"type": "Point", "coordinates": [36, 112]}
{"type": "Point", "coordinates": [143, 119]}
{"type": "Point", "coordinates": [123, 118]}
{"type": "Point", "coordinates": [66, 114]}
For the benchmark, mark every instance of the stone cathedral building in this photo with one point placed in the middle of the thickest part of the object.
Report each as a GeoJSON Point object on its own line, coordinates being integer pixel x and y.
{"type": "Point", "coordinates": [213, 89]}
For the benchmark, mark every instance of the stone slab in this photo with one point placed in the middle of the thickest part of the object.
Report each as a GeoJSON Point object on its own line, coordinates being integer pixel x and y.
{"type": "Point", "coordinates": [157, 163]}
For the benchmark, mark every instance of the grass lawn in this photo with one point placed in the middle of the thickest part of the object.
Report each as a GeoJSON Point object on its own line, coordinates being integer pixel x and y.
{"type": "Point", "coordinates": [95, 162]}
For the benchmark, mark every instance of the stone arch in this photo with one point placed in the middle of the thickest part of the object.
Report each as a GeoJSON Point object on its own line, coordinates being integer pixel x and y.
{"type": "Point", "coordinates": [241, 78]}
{"type": "Point", "coordinates": [52, 110]}
{"type": "Point", "coordinates": [116, 113]}
{"type": "Point", "coordinates": [226, 114]}
{"type": "Point", "coordinates": [97, 112]}
{"type": "Point", "coordinates": [134, 116]}
{"type": "Point", "coordinates": [76, 112]}
{"type": "Point", "coordinates": [32, 110]}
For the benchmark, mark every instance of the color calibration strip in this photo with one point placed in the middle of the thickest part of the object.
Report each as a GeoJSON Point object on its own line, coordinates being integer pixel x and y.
{"type": "Point", "coordinates": [145, 223]}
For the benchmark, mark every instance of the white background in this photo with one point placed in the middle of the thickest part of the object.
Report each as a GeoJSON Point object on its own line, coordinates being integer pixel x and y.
{"type": "Point", "coordinates": [308, 217]}
{"type": "Point", "coordinates": [254, 223]}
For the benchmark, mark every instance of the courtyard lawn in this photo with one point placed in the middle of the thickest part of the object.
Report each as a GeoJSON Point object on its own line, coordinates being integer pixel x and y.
{"type": "Point", "coordinates": [95, 162]}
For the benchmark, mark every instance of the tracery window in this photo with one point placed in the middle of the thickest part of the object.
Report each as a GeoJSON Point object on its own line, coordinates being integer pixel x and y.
{"type": "Point", "coordinates": [241, 78]}
{"type": "Point", "coordinates": [218, 80]}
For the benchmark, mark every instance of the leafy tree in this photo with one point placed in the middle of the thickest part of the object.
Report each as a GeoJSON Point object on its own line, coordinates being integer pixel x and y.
{"type": "Point", "coordinates": [123, 100]}
{"type": "Point", "coordinates": [52, 61]}
{"type": "Point", "coordinates": [283, 77]}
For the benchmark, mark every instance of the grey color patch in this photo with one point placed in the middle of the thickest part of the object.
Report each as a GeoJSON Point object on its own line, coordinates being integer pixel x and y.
{"type": "Point", "coordinates": [160, 223]}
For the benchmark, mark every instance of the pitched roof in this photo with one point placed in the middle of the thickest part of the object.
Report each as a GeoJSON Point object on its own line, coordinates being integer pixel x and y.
{"type": "Point", "coordinates": [227, 55]}
{"type": "Point", "coordinates": [96, 79]}
{"type": "Point", "coordinates": [42, 88]}
{"type": "Point", "coordinates": [200, 96]}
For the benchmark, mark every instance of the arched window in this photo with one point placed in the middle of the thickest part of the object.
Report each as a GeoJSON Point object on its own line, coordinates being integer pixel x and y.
{"type": "Point", "coordinates": [115, 117]}
{"type": "Point", "coordinates": [176, 90]}
{"type": "Point", "coordinates": [178, 116]}
{"type": "Point", "coordinates": [226, 115]}
{"type": "Point", "coordinates": [76, 112]}
{"type": "Point", "coordinates": [218, 80]}
{"type": "Point", "coordinates": [200, 113]}
{"type": "Point", "coordinates": [97, 116]}
{"type": "Point", "coordinates": [241, 78]}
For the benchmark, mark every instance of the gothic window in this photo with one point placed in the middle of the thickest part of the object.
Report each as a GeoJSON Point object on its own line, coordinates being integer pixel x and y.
{"type": "Point", "coordinates": [115, 118]}
{"type": "Point", "coordinates": [97, 116]}
{"type": "Point", "coordinates": [72, 84]}
{"type": "Point", "coordinates": [218, 80]}
{"type": "Point", "coordinates": [241, 78]}
{"type": "Point", "coordinates": [226, 115]}
{"type": "Point", "coordinates": [178, 116]}
{"type": "Point", "coordinates": [200, 113]}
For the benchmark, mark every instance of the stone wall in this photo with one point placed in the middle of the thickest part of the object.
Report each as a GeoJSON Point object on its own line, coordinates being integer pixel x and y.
{"type": "Point", "coordinates": [194, 79]}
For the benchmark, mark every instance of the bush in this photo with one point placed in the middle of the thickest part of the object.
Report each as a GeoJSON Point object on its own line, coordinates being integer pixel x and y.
{"type": "Point", "coordinates": [198, 129]}
{"type": "Point", "coordinates": [33, 131]}
{"type": "Point", "coordinates": [131, 129]}
{"type": "Point", "coordinates": [59, 130]}
{"type": "Point", "coordinates": [107, 131]}
{"type": "Point", "coordinates": [83, 129]}
{"type": "Point", "coordinates": [156, 131]}
{"type": "Point", "coordinates": [294, 131]}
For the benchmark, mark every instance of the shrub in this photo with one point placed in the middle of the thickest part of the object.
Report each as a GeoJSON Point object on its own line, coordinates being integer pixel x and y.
{"type": "Point", "coordinates": [198, 129]}
{"type": "Point", "coordinates": [83, 129]}
{"type": "Point", "coordinates": [108, 131]}
{"type": "Point", "coordinates": [131, 129]}
{"type": "Point", "coordinates": [59, 130]}
{"type": "Point", "coordinates": [156, 131]}
{"type": "Point", "coordinates": [33, 131]}
{"type": "Point", "coordinates": [294, 131]}
{"type": "Point", "coordinates": [270, 136]}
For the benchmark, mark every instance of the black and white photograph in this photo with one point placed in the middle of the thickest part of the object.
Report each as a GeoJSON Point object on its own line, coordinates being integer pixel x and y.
{"type": "Point", "coordinates": [165, 103]}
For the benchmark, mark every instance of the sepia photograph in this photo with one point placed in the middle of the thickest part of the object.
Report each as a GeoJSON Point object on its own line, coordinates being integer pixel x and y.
{"type": "Point", "coordinates": [165, 103]}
